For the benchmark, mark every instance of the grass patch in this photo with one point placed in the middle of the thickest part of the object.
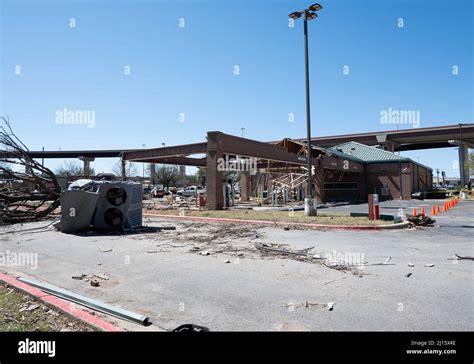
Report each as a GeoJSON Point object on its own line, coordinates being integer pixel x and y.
{"type": "Point", "coordinates": [21, 312]}
{"type": "Point", "coordinates": [278, 216]}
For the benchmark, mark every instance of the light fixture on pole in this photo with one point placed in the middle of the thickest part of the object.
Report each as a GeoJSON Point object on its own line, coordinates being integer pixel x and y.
{"type": "Point", "coordinates": [143, 166]}
{"type": "Point", "coordinates": [308, 14]}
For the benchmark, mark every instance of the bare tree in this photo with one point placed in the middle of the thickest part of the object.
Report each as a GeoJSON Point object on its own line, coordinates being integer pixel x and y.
{"type": "Point", "coordinates": [167, 175]}
{"type": "Point", "coordinates": [130, 169]}
{"type": "Point", "coordinates": [72, 169]}
{"type": "Point", "coordinates": [40, 192]}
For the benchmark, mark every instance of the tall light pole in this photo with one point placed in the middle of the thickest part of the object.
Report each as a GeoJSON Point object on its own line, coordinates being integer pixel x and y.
{"type": "Point", "coordinates": [308, 14]}
{"type": "Point", "coordinates": [143, 166]}
{"type": "Point", "coordinates": [243, 129]}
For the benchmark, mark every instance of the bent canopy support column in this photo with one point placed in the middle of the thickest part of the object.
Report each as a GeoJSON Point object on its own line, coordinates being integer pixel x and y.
{"type": "Point", "coordinates": [214, 182]}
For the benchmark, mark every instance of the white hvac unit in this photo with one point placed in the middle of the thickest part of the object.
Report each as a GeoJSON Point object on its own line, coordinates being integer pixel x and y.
{"type": "Point", "coordinates": [103, 205]}
{"type": "Point", "coordinates": [119, 206]}
{"type": "Point", "coordinates": [77, 210]}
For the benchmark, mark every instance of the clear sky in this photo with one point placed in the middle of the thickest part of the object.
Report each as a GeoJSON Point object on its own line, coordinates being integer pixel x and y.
{"type": "Point", "coordinates": [234, 64]}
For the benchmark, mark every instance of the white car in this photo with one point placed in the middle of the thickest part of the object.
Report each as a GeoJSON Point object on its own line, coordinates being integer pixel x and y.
{"type": "Point", "coordinates": [190, 191]}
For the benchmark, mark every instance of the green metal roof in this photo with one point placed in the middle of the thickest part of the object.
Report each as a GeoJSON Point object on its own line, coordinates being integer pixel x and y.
{"type": "Point", "coordinates": [337, 153]}
{"type": "Point", "coordinates": [367, 153]}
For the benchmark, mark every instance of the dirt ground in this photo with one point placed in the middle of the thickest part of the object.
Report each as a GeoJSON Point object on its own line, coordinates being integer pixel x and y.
{"type": "Point", "coordinates": [280, 216]}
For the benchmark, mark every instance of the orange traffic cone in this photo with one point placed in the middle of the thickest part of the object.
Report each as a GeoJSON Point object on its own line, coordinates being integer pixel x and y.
{"type": "Point", "coordinates": [444, 207]}
{"type": "Point", "coordinates": [422, 212]}
{"type": "Point", "coordinates": [438, 210]}
{"type": "Point", "coordinates": [433, 210]}
{"type": "Point", "coordinates": [414, 211]}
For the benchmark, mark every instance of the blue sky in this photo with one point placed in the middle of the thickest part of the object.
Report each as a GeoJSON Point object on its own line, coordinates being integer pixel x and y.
{"type": "Point", "coordinates": [190, 70]}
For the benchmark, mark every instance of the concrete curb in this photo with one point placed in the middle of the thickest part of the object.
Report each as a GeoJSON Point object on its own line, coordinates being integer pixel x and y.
{"type": "Point", "coordinates": [61, 305]}
{"type": "Point", "coordinates": [401, 225]}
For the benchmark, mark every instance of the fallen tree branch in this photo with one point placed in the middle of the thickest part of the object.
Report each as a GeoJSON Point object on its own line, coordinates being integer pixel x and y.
{"type": "Point", "coordinates": [39, 193]}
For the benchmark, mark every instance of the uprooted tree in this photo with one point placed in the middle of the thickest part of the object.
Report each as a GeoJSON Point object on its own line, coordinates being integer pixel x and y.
{"type": "Point", "coordinates": [26, 195]}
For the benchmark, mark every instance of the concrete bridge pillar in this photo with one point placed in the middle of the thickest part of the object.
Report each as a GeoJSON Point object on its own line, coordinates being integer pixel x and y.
{"type": "Point", "coordinates": [87, 165]}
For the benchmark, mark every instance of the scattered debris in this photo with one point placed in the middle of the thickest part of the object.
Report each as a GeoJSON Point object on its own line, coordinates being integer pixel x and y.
{"type": "Point", "coordinates": [360, 274]}
{"type": "Point", "coordinates": [102, 276]}
{"type": "Point", "coordinates": [306, 304]}
{"type": "Point", "coordinates": [384, 263]}
{"type": "Point", "coordinates": [408, 275]}
{"type": "Point", "coordinates": [456, 256]}
{"type": "Point", "coordinates": [29, 308]}
{"type": "Point", "coordinates": [411, 265]}
{"type": "Point", "coordinates": [286, 228]}
{"type": "Point", "coordinates": [106, 250]}
{"type": "Point", "coordinates": [420, 220]}
{"type": "Point", "coordinates": [429, 265]}
{"type": "Point", "coordinates": [79, 278]}
{"type": "Point", "coordinates": [152, 251]}
{"type": "Point", "coordinates": [329, 282]}
{"type": "Point", "coordinates": [205, 252]}
{"type": "Point", "coordinates": [227, 261]}
{"type": "Point", "coordinates": [89, 277]}
{"type": "Point", "coordinates": [94, 283]}
{"type": "Point", "coordinates": [269, 249]}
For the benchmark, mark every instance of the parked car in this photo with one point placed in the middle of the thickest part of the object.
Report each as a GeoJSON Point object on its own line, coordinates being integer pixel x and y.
{"type": "Point", "coordinates": [190, 191]}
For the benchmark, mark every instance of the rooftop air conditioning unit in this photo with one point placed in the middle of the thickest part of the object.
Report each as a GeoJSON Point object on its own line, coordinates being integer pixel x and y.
{"type": "Point", "coordinates": [77, 210]}
{"type": "Point", "coordinates": [119, 206]}
{"type": "Point", "coordinates": [104, 205]}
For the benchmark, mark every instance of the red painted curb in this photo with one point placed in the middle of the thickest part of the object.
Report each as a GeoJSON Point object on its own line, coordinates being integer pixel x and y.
{"type": "Point", "coordinates": [279, 223]}
{"type": "Point", "coordinates": [61, 305]}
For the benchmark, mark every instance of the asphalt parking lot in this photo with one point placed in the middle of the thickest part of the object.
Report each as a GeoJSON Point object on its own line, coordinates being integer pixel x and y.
{"type": "Point", "coordinates": [237, 287]}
